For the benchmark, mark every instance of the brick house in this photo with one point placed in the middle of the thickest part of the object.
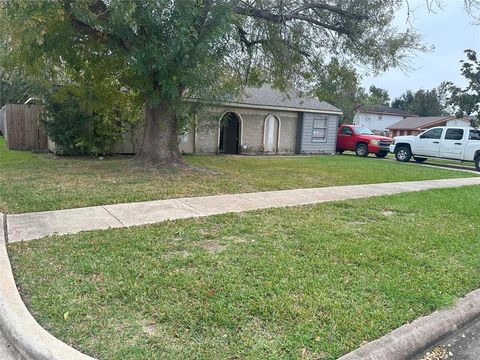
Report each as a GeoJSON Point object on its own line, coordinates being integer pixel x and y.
{"type": "Point", "coordinates": [265, 121]}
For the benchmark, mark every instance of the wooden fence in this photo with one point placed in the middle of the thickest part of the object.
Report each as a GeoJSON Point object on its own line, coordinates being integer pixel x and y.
{"type": "Point", "coordinates": [21, 127]}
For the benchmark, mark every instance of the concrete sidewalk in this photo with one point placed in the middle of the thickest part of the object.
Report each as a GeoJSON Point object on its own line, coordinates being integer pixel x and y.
{"type": "Point", "coordinates": [29, 226]}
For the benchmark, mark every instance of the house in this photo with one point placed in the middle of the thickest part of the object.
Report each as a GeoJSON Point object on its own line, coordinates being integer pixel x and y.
{"type": "Point", "coordinates": [265, 120]}
{"type": "Point", "coordinates": [416, 125]}
{"type": "Point", "coordinates": [379, 118]}
{"type": "Point", "coordinates": [261, 121]}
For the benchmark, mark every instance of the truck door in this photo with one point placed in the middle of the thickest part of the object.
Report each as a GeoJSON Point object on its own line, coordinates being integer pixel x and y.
{"type": "Point", "coordinates": [453, 144]}
{"type": "Point", "coordinates": [428, 143]}
{"type": "Point", "coordinates": [345, 138]}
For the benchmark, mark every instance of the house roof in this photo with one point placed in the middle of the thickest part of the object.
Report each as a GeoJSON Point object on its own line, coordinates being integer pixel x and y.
{"type": "Point", "coordinates": [419, 122]}
{"type": "Point", "coordinates": [268, 98]}
{"type": "Point", "coordinates": [384, 110]}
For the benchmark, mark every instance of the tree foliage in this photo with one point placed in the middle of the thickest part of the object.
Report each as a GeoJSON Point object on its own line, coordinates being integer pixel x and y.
{"type": "Point", "coordinates": [421, 102]}
{"type": "Point", "coordinates": [466, 101]}
{"type": "Point", "coordinates": [16, 88]}
{"type": "Point", "coordinates": [374, 96]}
{"type": "Point", "coordinates": [338, 85]}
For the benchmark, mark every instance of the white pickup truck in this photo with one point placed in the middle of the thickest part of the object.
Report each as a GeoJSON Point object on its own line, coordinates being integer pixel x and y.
{"type": "Point", "coordinates": [456, 143]}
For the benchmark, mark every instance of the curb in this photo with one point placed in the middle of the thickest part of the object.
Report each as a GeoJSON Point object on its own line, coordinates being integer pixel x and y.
{"type": "Point", "coordinates": [18, 325]}
{"type": "Point", "coordinates": [412, 340]}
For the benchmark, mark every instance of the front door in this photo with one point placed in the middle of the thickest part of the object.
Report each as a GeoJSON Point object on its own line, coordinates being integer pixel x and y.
{"type": "Point", "coordinates": [428, 143]}
{"type": "Point", "coordinates": [271, 134]}
{"type": "Point", "coordinates": [229, 134]}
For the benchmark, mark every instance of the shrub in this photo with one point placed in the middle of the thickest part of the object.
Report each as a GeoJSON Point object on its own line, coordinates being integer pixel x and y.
{"type": "Point", "coordinates": [81, 121]}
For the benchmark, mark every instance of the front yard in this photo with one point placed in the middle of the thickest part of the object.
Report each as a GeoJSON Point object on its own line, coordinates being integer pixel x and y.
{"type": "Point", "coordinates": [310, 282]}
{"type": "Point", "coordinates": [36, 182]}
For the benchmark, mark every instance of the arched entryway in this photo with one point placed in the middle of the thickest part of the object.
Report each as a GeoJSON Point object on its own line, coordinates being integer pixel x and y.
{"type": "Point", "coordinates": [271, 133]}
{"type": "Point", "coordinates": [230, 130]}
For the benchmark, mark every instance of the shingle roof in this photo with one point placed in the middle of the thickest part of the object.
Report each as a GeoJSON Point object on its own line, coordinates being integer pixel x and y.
{"type": "Point", "coordinates": [266, 96]}
{"type": "Point", "coordinates": [384, 110]}
{"type": "Point", "coordinates": [411, 123]}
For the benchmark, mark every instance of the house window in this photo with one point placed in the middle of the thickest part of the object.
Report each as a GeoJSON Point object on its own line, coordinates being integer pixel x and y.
{"type": "Point", "coordinates": [319, 128]}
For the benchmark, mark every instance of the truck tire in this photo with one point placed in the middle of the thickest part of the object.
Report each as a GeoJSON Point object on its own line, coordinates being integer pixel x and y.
{"type": "Point", "coordinates": [403, 154]}
{"type": "Point", "coordinates": [419, 159]}
{"type": "Point", "coordinates": [477, 163]}
{"type": "Point", "coordinates": [361, 150]}
{"type": "Point", "coordinates": [381, 154]}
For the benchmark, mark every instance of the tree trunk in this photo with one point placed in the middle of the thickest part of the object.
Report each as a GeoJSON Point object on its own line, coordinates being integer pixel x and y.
{"type": "Point", "coordinates": [160, 139]}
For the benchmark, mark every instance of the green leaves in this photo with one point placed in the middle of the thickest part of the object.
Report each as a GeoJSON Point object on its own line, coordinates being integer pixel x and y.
{"type": "Point", "coordinates": [466, 101]}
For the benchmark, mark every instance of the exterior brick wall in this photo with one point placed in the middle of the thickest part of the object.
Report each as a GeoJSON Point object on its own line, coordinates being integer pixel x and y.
{"type": "Point", "coordinates": [252, 129]}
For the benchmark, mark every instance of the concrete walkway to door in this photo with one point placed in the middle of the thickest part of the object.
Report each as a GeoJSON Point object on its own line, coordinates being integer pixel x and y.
{"type": "Point", "coordinates": [29, 226]}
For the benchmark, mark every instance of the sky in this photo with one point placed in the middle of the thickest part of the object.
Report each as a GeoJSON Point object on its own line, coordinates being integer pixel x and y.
{"type": "Point", "coordinates": [450, 31]}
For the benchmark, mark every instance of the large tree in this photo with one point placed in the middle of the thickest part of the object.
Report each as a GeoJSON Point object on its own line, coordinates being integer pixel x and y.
{"type": "Point", "coordinates": [421, 102]}
{"type": "Point", "coordinates": [170, 50]}
{"type": "Point", "coordinates": [374, 96]}
{"type": "Point", "coordinates": [337, 84]}
{"type": "Point", "coordinates": [466, 101]}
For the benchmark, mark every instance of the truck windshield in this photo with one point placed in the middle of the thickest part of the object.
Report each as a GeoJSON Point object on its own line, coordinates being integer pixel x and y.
{"type": "Point", "coordinates": [362, 131]}
{"type": "Point", "coordinates": [474, 135]}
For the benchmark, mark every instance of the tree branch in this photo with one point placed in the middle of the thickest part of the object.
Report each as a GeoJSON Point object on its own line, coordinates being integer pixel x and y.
{"type": "Point", "coordinates": [100, 9]}
{"type": "Point", "coordinates": [267, 14]}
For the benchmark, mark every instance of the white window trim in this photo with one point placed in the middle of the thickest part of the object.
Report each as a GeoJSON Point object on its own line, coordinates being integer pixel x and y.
{"type": "Point", "coordinates": [320, 140]}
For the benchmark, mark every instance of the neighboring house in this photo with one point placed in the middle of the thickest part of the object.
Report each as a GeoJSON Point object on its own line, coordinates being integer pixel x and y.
{"type": "Point", "coordinates": [379, 118]}
{"type": "Point", "coordinates": [263, 121]}
{"type": "Point", "coordinates": [416, 125]}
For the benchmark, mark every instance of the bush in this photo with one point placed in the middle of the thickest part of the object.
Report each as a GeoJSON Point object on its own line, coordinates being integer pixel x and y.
{"type": "Point", "coordinates": [82, 123]}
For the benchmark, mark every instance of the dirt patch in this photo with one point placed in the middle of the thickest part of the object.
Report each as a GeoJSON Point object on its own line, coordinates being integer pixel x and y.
{"type": "Point", "coordinates": [388, 213]}
{"type": "Point", "coordinates": [212, 246]}
{"type": "Point", "coordinates": [148, 327]}
{"type": "Point", "coordinates": [237, 239]}
{"type": "Point", "coordinates": [176, 253]}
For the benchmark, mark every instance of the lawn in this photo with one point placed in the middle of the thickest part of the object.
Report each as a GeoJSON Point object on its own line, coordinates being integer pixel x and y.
{"type": "Point", "coordinates": [36, 182]}
{"type": "Point", "coordinates": [310, 282]}
{"type": "Point", "coordinates": [451, 162]}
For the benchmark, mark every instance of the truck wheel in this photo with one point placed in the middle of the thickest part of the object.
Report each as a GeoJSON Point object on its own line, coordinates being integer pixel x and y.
{"type": "Point", "coordinates": [403, 154]}
{"type": "Point", "coordinates": [361, 150]}
{"type": "Point", "coordinates": [419, 159]}
{"type": "Point", "coordinates": [381, 154]}
{"type": "Point", "coordinates": [340, 151]}
{"type": "Point", "coordinates": [477, 163]}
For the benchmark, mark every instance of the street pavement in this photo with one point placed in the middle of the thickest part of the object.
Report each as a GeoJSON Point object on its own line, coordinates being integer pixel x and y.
{"type": "Point", "coordinates": [7, 352]}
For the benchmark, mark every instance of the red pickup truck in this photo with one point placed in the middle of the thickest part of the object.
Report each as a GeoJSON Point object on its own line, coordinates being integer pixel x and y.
{"type": "Point", "coordinates": [361, 140]}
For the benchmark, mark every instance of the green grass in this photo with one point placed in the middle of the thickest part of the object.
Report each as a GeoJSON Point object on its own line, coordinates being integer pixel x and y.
{"type": "Point", "coordinates": [305, 282]}
{"type": "Point", "coordinates": [36, 182]}
{"type": "Point", "coordinates": [451, 162]}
